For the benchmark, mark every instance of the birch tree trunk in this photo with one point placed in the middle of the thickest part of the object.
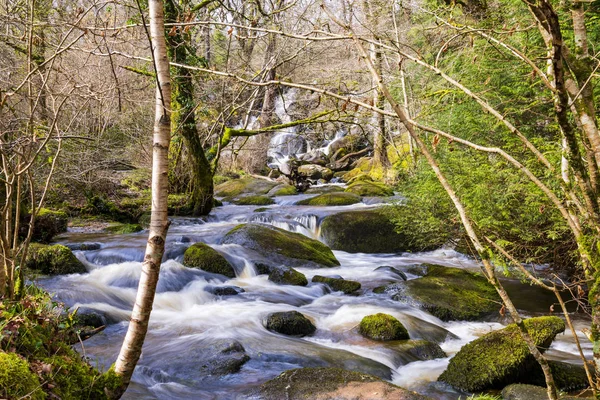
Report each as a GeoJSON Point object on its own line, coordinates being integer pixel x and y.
{"type": "Point", "coordinates": [159, 224]}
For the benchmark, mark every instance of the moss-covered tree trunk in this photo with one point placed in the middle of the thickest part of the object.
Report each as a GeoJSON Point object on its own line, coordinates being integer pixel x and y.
{"type": "Point", "coordinates": [183, 120]}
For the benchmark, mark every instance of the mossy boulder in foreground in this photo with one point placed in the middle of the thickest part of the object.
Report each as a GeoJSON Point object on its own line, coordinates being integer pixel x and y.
{"type": "Point", "coordinates": [53, 260]}
{"type": "Point", "coordinates": [501, 357]}
{"type": "Point", "coordinates": [246, 185]}
{"type": "Point", "coordinates": [338, 284]}
{"type": "Point", "coordinates": [48, 223]}
{"type": "Point", "coordinates": [362, 232]}
{"type": "Point", "coordinates": [16, 379]}
{"type": "Point", "coordinates": [201, 255]}
{"type": "Point", "coordinates": [369, 188]}
{"type": "Point", "coordinates": [290, 323]}
{"type": "Point", "coordinates": [453, 294]}
{"type": "Point", "coordinates": [287, 276]}
{"type": "Point", "coordinates": [282, 247]}
{"type": "Point", "coordinates": [331, 199]}
{"type": "Point", "coordinates": [382, 327]}
{"type": "Point", "coordinates": [332, 383]}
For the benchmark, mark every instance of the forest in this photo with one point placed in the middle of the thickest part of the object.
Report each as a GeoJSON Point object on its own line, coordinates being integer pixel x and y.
{"type": "Point", "coordinates": [300, 199]}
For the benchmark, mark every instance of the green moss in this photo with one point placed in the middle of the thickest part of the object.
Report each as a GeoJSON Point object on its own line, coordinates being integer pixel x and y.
{"type": "Point", "coordinates": [324, 189]}
{"type": "Point", "coordinates": [501, 357]}
{"type": "Point", "coordinates": [261, 209]}
{"type": "Point", "coordinates": [16, 379]}
{"type": "Point", "coordinates": [382, 327]}
{"type": "Point", "coordinates": [53, 260]}
{"type": "Point", "coordinates": [179, 204]}
{"type": "Point", "coordinates": [122, 229]}
{"type": "Point", "coordinates": [49, 223]}
{"type": "Point", "coordinates": [203, 256]}
{"type": "Point", "coordinates": [254, 201]}
{"type": "Point", "coordinates": [237, 187]}
{"type": "Point", "coordinates": [138, 180]}
{"type": "Point", "coordinates": [338, 284]}
{"type": "Point", "coordinates": [281, 246]}
{"type": "Point", "coordinates": [285, 190]}
{"type": "Point", "coordinates": [287, 276]}
{"type": "Point", "coordinates": [374, 189]}
{"type": "Point", "coordinates": [331, 199]}
{"type": "Point", "coordinates": [454, 294]}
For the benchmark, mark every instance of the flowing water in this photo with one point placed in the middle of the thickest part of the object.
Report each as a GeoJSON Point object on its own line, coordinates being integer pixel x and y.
{"type": "Point", "coordinates": [188, 322]}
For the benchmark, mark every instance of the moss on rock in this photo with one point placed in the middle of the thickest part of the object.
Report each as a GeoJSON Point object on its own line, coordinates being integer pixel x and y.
{"type": "Point", "coordinates": [499, 358]}
{"type": "Point", "coordinates": [284, 190]}
{"type": "Point", "coordinates": [453, 294]}
{"type": "Point", "coordinates": [254, 201]}
{"type": "Point", "coordinates": [338, 284]}
{"type": "Point", "coordinates": [382, 327]}
{"type": "Point", "coordinates": [290, 323]}
{"type": "Point", "coordinates": [201, 255]}
{"type": "Point", "coordinates": [324, 189]}
{"type": "Point", "coordinates": [123, 229]}
{"type": "Point", "coordinates": [282, 247]}
{"type": "Point", "coordinates": [49, 223]}
{"type": "Point", "coordinates": [287, 276]}
{"type": "Point", "coordinates": [16, 379]}
{"type": "Point", "coordinates": [331, 199]}
{"type": "Point", "coordinates": [53, 260]}
{"type": "Point", "coordinates": [246, 185]}
{"type": "Point", "coordinates": [373, 189]}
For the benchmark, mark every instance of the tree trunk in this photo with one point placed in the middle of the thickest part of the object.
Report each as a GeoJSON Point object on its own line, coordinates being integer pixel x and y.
{"type": "Point", "coordinates": [159, 223]}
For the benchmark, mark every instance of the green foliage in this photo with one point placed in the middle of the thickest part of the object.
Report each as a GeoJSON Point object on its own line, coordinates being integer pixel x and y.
{"type": "Point", "coordinates": [382, 327]}
{"type": "Point", "coordinates": [17, 380]}
{"type": "Point", "coordinates": [122, 229]}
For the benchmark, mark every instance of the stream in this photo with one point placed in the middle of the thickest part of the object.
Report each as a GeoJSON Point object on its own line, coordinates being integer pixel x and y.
{"type": "Point", "coordinates": [188, 322]}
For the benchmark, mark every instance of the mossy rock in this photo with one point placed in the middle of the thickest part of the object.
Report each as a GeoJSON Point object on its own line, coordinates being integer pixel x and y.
{"type": "Point", "coordinates": [282, 247]}
{"type": "Point", "coordinates": [382, 327]}
{"type": "Point", "coordinates": [521, 391]}
{"type": "Point", "coordinates": [338, 284]}
{"type": "Point", "coordinates": [201, 255]}
{"type": "Point", "coordinates": [362, 232]}
{"type": "Point", "coordinates": [372, 189]}
{"type": "Point", "coordinates": [246, 185]}
{"type": "Point", "coordinates": [331, 199]}
{"type": "Point", "coordinates": [123, 229]}
{"type": "Point", "coordinates": [332, 383]}
{"type": "Point", "coordinates": [315, 172]}
{"type": "Point", "coordinates": [284, 190]}
{"type": "Point", "coordinates": [420, 349]}
{"type": "Point", "coordinates": [290, 323]}
{"type": "Point", "coordinates": [53, 260]}
{"type": "Point", "coordinates": [16, 379]}
{"type": "Point", "coordinates": [454, 294]}
{"type": "Point", "coordinates": [179, 204]}
{"type": "Point", "coordinates": [287, 276]}
{"type": "Point", "coordinates": [324, 189]}
{"type": "Point", "coordinates": [499, 358]}
{"type": "Point", "coordinates": [567, 377]}
{"type": "Point", "coordinates": [253, 201]}
{"type": "Point", "coordinates": [49, 223]}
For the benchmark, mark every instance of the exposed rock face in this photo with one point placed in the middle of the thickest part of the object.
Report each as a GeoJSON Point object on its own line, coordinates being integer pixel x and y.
{"type": "Point", "coordinates": [501, 357]}
{"type": "Point", "coordinates": [53, 260]}
{"type": "Point", "coordinates": [290, 323]}
{"type": "Point", "coordinates": [204, 257]}
{"type": "Point", "coordinates": [382, 327]}
{"type": "Point", "coordinates": [282, 247]}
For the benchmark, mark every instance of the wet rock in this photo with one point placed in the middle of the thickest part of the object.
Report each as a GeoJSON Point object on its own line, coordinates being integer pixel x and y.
{"type": "Point", "coordinates": [287, 276]}
{"type": "Point", "coordinates": [521, 391]}
{"type": "Point", "coordinates": [452, 294]}
{"type": "Point", "coordinates": [332, 383]}
{"type": "Point", "coordinates": [501, 357]}
{"type": "Point", "coordinates": [393, 270]}
{"type": "Point", "coordinates": [290, 323]}
{"type": "Point", "coordinates": [89, 317]}
{"type": "Point", "coordinates": [371, 189]}
{"type": "Point", "coordinates": [331, 199]}
{"type": "Point", "coordinates": [278, 246]}
{"type": "Point", "coordinates": [204, 257]}
{"type": "Point", "coordinates": [224, 290]}
{"type": "Point", "coordinates": [48, 223]}
{"type": "Point", "coordinates": [413, 350]}
{"type": "Point", "coordinates": [229, 359]}
{"type": "Point", "coordinates": [324, 189]}
{"type": "Point", "coordinates": [315, 172]}
{"type": "Point", "coordinates": [338, 284]}
{"type": "Point", "coordinates": [262, 268]}
{"type": "Point", "coordinates": [83, 246]}
{"type": "Point", "coordinates": [258, 200]}
{"type": "Point", "coordinates": [246, 185]}
{"type": "Point", "coordinates": [393, 289]}
{"type": "Point", "coordinates": [283, 190]}
{"type": "Point", "coordinates": [568, 377]}
{"type": "Point", "coordinates": [382, 327]}
{"type": "Point", "coordinates": [53, 260]}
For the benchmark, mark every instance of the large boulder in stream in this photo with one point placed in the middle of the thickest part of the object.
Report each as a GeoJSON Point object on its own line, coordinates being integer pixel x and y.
{"type": "Point", "coordinates": [290, 323]}
{"type": "Point", "coordinates": [315, 172]}
{"type": "Point", "coordinates": [331, 199]}
{"type": "Point", "coordinates": [369, 188]}
{"type": "Point", "coordinates": [382, 327]}
{"type": "Point", "coordinates": [247, 185]}
{"type": "Point", "coordinates": [282, 247]}
{"type": "Point", "coordinates": [53, 260]}
{"type": "Point", "coordinates": [501, 357]}
{"type": "Point", "coordinates": [452, 294]}
{"type": "Point", "coordinates": [204, 257]}
{"type": "Point", "coordinates": [332, 383]}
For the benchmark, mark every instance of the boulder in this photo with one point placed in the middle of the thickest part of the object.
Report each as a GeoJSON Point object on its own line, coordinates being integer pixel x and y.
{"type": "Point", "coordinates": [362, 232]}
{"type": "Point", "coordinates": [315, 172]}
{"type": "Point", "coordinates": [283, 190]}
{"type": "Point", "coordinates": [501, 357]}
{"type": "Point", "coordinates": [290, 323]}
{"type": "Point", "coordinates": [369, 188]}
{"type": "Point", "coordinates": [382, 327]}
{"type": "Point", "coordinates": [224, 290]}
{"type": "Point", "coordinates": [229, 359]}
{"type": "Point", "coordinates": [331, 199]}
{"type": "Point", "coordinates": [422, 350]}
{"type": "Point", "coordinates": [83, 246]}
{"type": "Point", "coordinates": [568, 377]}
{"type": "Point", "coordinates": [282, 247]}
{"type": "Point", "coordinates": [48, 223]}
{"type": "Point", "coordinates": [246, 185]}
{"type": "Point", "coordinates": [393, 270]}
{"type": "Point", "coordinates": [204, 257]}
{"type": "Point", "coordinates": [521, 391]}
{"type": "Point", "coordinates": [287, 276]}
{"type": "Point", "coordinates": [452, 294]}
{"type": "Point", "coordinates": [338, 284]}
{"type": "Point", "coordinates": [324, 189]}
{"type": "Point", "coordinates": [257, 200]}
{"type": "Point", "coordinates": [90, 317]}
{"type": "Point", "coordinates": [332, 383]}
{"type": "Point", "coordinates": [53, 260]}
